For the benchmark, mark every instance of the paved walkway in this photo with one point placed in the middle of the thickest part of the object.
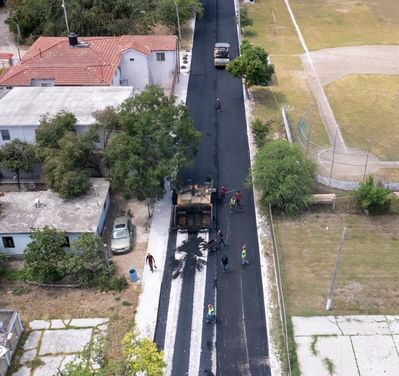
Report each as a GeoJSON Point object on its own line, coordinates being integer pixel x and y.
{"type": "Point", "coordinates": [347, 345]}
{"type": "Point", "coordinates": [57, 342]}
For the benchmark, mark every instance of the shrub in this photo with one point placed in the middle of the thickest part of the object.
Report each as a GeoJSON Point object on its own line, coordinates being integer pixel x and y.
{"type": "Point", "coordinates": [373, 199]}
{"type": "Point", "coordinates": [260, 131]}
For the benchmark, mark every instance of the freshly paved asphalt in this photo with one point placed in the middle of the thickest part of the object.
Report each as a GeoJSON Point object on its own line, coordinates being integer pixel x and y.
{"type": "Point", "coordinates": [241, 336]}
{"type": "Point", "coordinates": [242, 346]}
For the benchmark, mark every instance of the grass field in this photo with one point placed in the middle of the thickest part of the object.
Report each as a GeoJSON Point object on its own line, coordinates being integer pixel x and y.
{"type": "Point", "coordinates": [367, 278]}
{"type": "Point", "coordinates": [339, 23]}
{"type": "Point", "coordinates": [375, 102]}
{"type": "Point", "coordinates": [334, 23]}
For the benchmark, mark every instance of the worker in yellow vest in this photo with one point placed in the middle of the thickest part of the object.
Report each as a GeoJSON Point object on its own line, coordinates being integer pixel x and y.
{"type": "Point", "coordinates": [244, 260]}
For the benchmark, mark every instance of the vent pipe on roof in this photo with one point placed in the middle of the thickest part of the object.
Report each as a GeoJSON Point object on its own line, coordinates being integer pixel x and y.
{"type": "Point", "coordinates": [73, 39]}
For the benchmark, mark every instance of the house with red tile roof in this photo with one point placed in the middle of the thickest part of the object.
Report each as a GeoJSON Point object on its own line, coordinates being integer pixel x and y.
{"type": "Point", "coordinates": [127, 60]}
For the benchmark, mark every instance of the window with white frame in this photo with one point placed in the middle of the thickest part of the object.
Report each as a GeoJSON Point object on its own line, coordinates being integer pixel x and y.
{"type": "Point", "coordinates": [160, 56]}
{"type": "Point", "coordinates": [5, 135]}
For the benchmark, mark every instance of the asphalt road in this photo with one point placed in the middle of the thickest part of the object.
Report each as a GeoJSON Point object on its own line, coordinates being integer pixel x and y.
{"type": "Point", "coordinates": [242, 346]}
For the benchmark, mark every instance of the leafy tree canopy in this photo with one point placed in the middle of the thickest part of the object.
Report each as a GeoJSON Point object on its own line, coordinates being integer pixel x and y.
{"type": "Point", "coordinates": [107, 122]}
{"type": "Point", "coordinates": [373, 198]}
{"type": "Point", "coordinates": [52, 129]}
{"type": "Point", "coordinates": [65, 155]}
{"type": "Point", "coordinates": [156, 139]}
{"type": "Point", "coordinates": [45, 257]}
{"type": "Point", "coordinates": [166, 11]}
{"type": "Point", "coordinates": [283, 176]}
{"type": "Point", "coordinates": [18, 155]}
{"type": "Point", "coordinates": [142, 356]}
{"type": "Point", "coordinates": [87, 18]}
{"type": "Point", "coordinates": [252, 65]}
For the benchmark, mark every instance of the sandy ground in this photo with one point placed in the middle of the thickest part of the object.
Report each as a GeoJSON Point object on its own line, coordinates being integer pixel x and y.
{"type": "Point", "coordinates": [62, 303]}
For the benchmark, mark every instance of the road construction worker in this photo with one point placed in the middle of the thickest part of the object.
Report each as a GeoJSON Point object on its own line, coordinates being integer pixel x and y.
{"type": "Point", "coordinates": [244, 260]}
{"type": "Point", "coordinates": [232, 204]}
{"type": "Point", "coordinates": [211, 316]}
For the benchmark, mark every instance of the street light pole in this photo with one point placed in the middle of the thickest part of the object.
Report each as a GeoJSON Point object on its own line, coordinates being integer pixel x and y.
{"type": "Point", "coordinates": [178, 19]}
{"type": "Point", "coordinates": [65, 14]}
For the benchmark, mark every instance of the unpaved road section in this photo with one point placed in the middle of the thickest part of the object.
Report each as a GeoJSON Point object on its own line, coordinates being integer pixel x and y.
{"type": "Point", "coordinates": [334, 63]}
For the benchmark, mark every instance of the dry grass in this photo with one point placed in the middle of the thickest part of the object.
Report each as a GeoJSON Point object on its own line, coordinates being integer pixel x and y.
{"type": "Point", "coordinates": [337, 23]}
{"type": "Point", "coordinates": [366, 109]}
{"type": "Point", "coordinates": [273, 30]}
{"type": "Point", "coordinates": [366, 282]}
{"type": "Point", "coordinates": [333, 23]}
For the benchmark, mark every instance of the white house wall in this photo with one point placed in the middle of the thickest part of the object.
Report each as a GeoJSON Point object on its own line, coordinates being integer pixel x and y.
{"type": "Point", "coordinates": [103, 216]}
{"type": "Point", "coordinates": [22, 132]}
{"type": "Point", "coordinates": [134, 70]}
{"type": "Point", "coordinates": [116, 81]}
{"type": "Point", "coordinates": [22, 240]}
{"type": "Point", "coordinates": [161, 72]}
{"type": "Point", "coordinates": [27, 133]}
{"type": "Point", "coordinates": [20, 243]}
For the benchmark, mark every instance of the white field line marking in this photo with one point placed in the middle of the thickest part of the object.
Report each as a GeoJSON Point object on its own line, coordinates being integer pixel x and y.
{"type": "Point", "coordinates": [319, 85]}
{"type": "Point", "coordinates": [173, 311]}
{"type": "Point", "coordinates": [198, 316]}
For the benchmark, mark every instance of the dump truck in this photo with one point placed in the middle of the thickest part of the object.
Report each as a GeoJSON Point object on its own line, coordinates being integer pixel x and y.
{"type": "Point", "coordinates": [193, 208]}
{"type": "Point", "coordinates": [221, 54]}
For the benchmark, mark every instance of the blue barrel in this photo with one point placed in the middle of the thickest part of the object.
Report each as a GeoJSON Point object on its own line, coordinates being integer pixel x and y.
{"type": "Point", "coordinates": [133, 275]}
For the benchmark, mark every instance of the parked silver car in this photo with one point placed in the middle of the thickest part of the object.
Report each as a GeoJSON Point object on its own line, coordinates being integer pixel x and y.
{"type": "Point", "coordinates": [122, 235]}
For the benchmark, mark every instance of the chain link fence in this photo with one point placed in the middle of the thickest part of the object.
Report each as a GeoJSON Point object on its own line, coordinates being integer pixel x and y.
{"type": "Point", "coordinates": [337, 166]}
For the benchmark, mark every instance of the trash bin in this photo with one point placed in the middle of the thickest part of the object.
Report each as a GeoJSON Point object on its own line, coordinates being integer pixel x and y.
{"type": "Point", "coordinates": [133, 275]}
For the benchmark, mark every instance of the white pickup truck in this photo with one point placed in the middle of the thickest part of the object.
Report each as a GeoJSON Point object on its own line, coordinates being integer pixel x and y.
{"type": "Point", "coordinates": [221, 54]}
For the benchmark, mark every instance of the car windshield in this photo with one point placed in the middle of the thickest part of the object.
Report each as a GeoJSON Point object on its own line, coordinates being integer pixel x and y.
{"type": "Point", "coordinates": [119, 234]}
{"type": "Point", "coordinates": [221, 52]}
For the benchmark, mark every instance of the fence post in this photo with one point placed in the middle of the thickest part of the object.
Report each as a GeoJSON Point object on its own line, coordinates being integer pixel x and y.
{"type": "Point", "coordinates": [334, 275]}
{"type": "Point", "coordinates": [333, 156]}
{"type": "Point", "coordinates": [365, 166]}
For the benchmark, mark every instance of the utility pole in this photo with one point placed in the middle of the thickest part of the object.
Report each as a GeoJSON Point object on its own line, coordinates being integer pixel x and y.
{"type": "Point", "coordinates": [334, 276]}
{"type": "Point", "coordinates": [65, 14]}
{"type": "Point", "coordinates": [178, 19]}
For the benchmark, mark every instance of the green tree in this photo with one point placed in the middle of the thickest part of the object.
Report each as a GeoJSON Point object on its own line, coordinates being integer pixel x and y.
{"type": "Point", "coordinates": [245, 21]}
{"type": "Point", "coordinates": [107, 122]}
{"type": "Point", "coordinates": [260, 131]}
{"type": "Point", "coordinates": [16, 156]}
{"type": "Point", "coordinates": [166, 11]}
{"type": "Point", "coordinates": [156, 139]}
{"type": "Point", "coordinates": [45, 256]}
{"type": "Point", "coordinates": [65, 155]}
{"type": "Point", "coordinates": [252, 65]}
{"type": "Point", "coordinates": [52, 129]}
{"type": "Point", "coordinates": [88, 258]}
{"type": "Point", "coordinates": [284, 176]}
{"type": "Point", "coordinates": [372, 198]}
{"type": "Point", "coordinates": [142, 355]}
{"type": "Point", "coordinates": [87, 18]}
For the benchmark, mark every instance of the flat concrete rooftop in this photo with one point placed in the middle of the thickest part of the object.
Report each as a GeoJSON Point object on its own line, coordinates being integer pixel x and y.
{"type": "Point", "coordinates": [26, 105]}
{"type": "Point", "coordinates": [19, 213]}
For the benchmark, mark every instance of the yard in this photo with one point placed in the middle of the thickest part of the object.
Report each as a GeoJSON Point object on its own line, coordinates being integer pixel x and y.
{"type": "Point", "coordinates": [36, 303]}
{"type": "Point", "coordinates": [367, 277]}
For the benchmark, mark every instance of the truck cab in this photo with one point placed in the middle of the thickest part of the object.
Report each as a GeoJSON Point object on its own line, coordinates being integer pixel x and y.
{"type": "Point", "coordinates": [193, 206]}
{"type": "Point", "coordinates": [221, 54]}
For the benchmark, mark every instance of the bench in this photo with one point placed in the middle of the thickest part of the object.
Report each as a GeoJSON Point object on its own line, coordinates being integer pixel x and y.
{"type": "Point", "coordinates": [325, 198]}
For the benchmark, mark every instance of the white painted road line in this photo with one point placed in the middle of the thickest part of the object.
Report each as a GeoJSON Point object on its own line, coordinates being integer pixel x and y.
{"type": "Point", "coordinates": [173, 311]}
{"type": "Point", "coordinates": [198, 316]}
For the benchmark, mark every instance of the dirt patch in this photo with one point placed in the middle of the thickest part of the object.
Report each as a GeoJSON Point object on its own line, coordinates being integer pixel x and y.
{"type": "Point", "coordinates": [61, 303]}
